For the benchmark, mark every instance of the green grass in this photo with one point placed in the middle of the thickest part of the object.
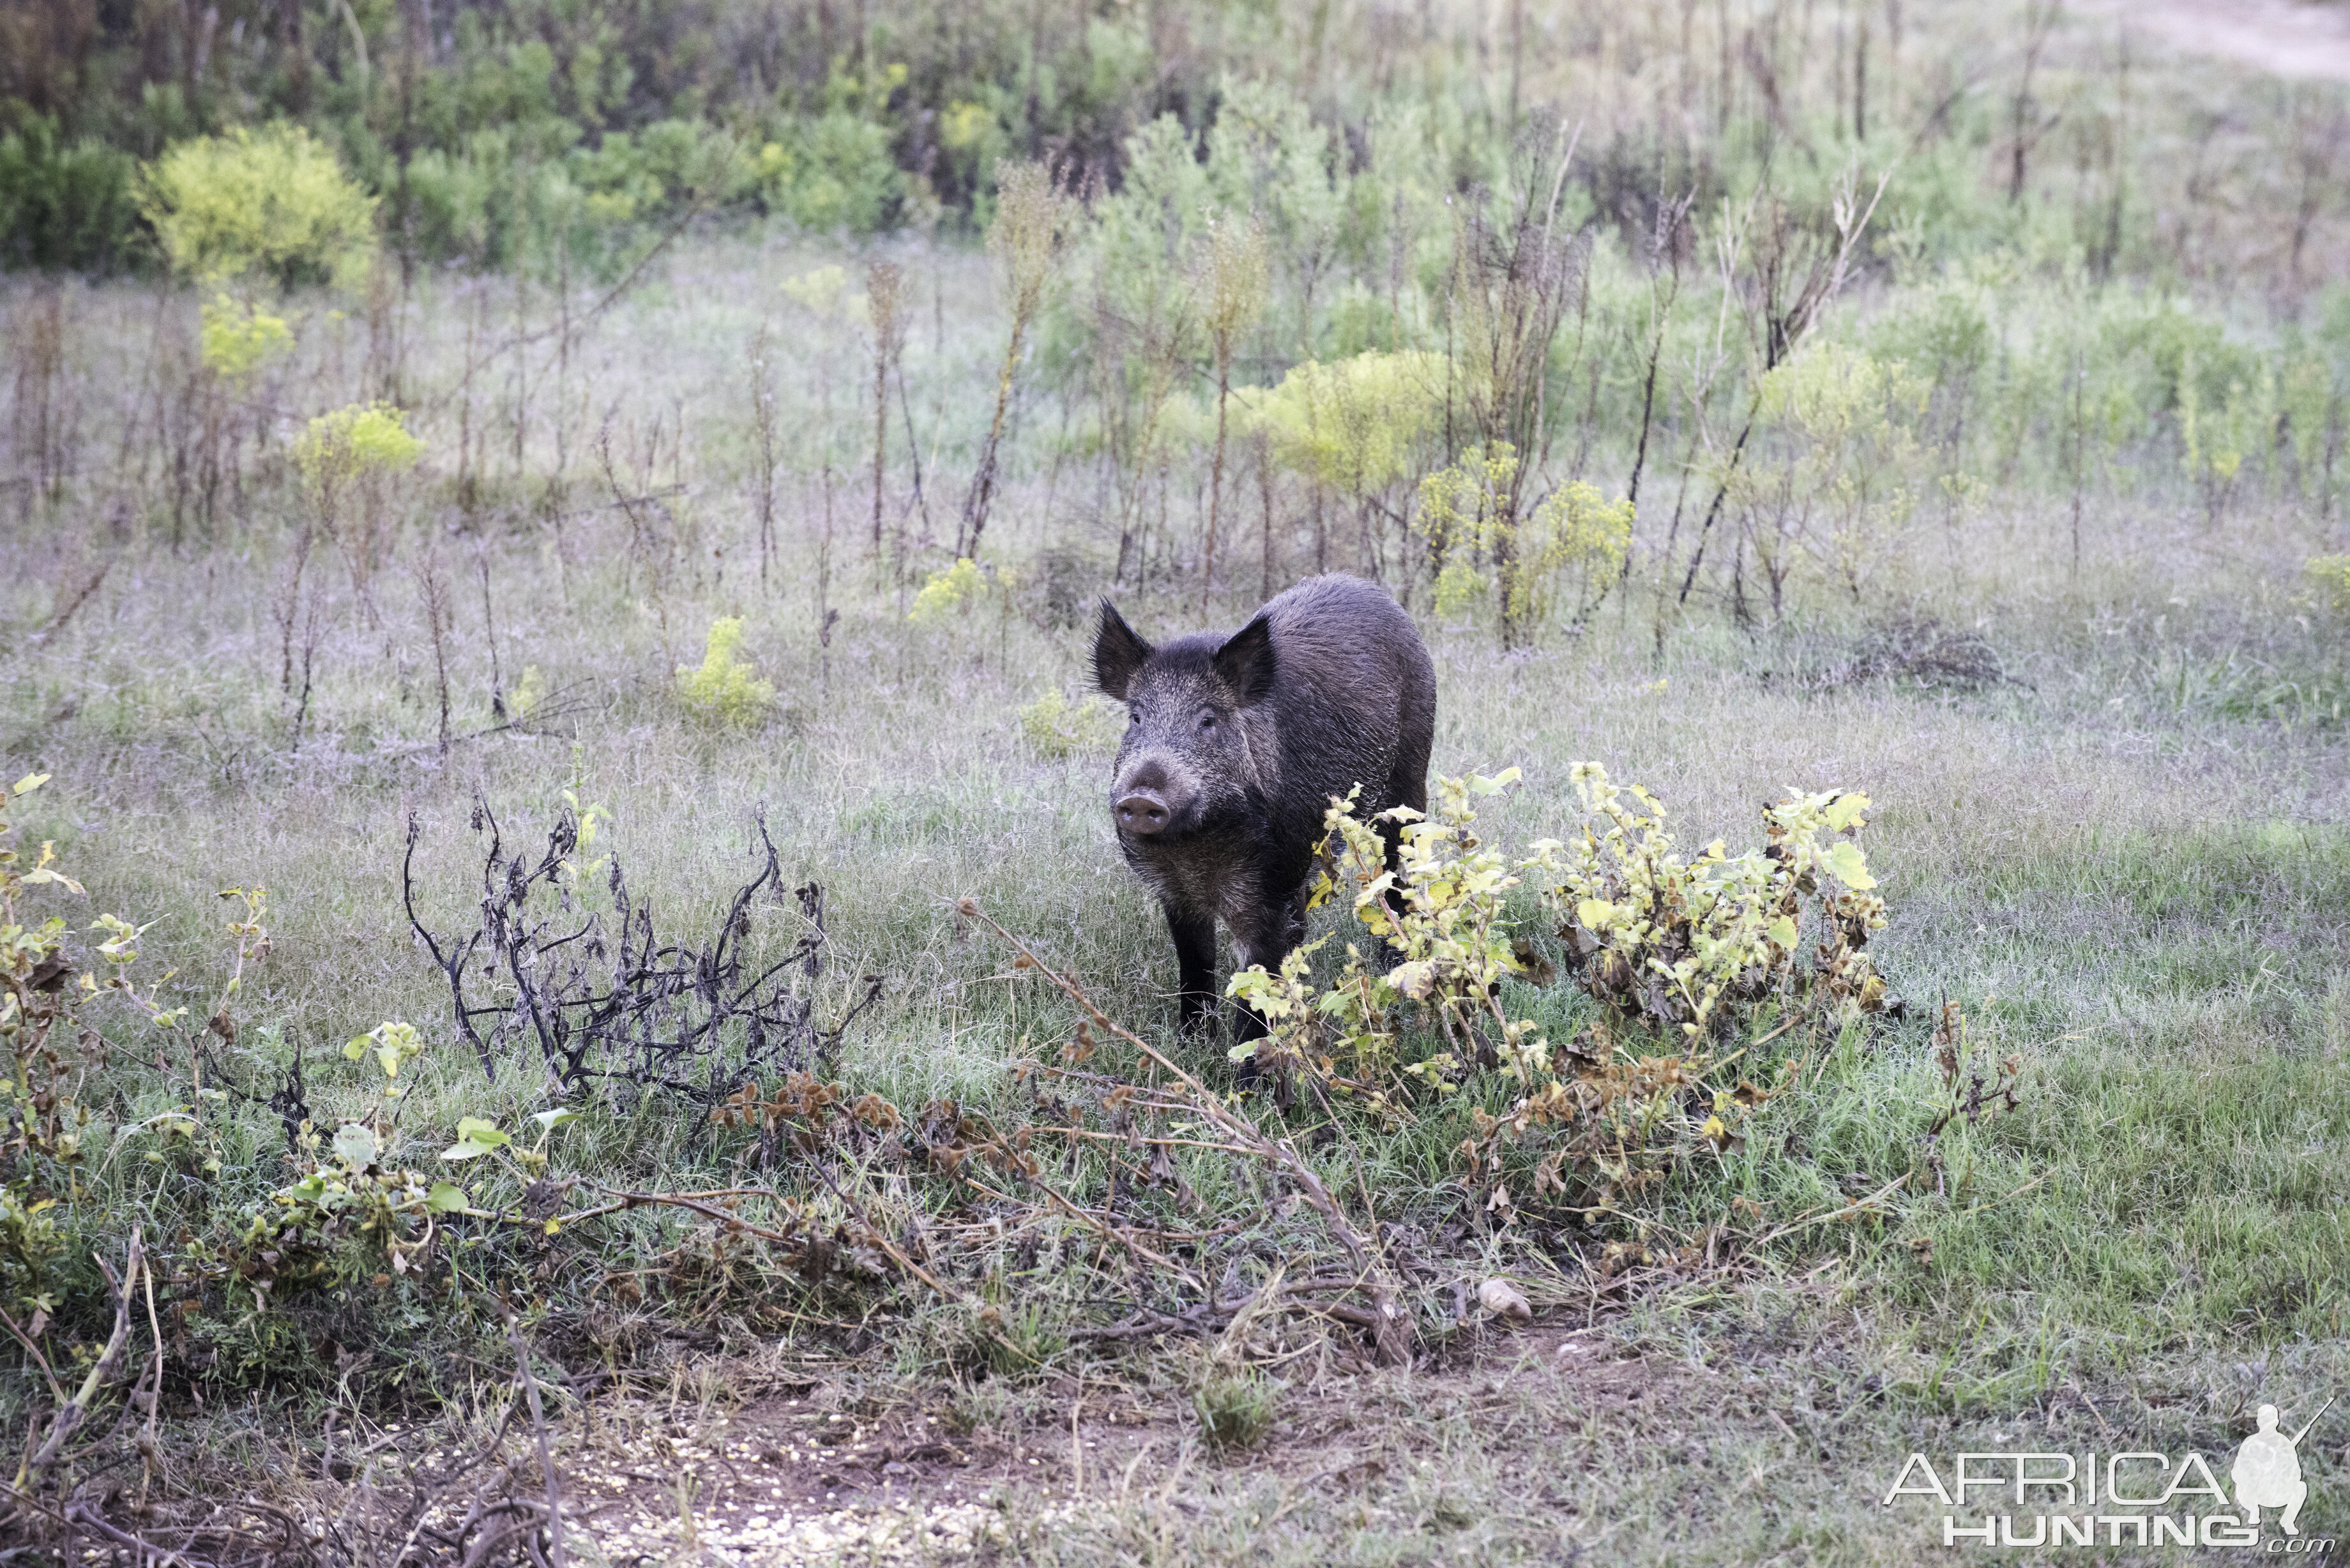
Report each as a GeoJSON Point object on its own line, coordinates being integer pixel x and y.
{"type": "Point", "coordinates": [2149, 914]}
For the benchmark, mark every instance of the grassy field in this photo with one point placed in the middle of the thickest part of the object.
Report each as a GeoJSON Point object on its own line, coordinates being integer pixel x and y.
{"type": "Point", "coordinates": [2127, 883]}
{"type": "Point", "coordinates": [2097, 701]}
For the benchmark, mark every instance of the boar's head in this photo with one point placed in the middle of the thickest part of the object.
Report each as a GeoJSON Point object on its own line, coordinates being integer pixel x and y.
{"type": "Point", "coordinates": [1186, 761]}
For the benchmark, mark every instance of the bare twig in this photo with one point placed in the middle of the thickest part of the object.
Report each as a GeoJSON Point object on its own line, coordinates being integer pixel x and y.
{"type": "Point", "coordinates": [545, 1454]}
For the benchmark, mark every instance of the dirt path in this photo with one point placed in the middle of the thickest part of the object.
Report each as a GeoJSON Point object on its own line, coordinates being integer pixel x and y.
{"type": "Point", "coordinates": [795, 1479]}
{"type": "Point", "coordinates": [2308, 40]}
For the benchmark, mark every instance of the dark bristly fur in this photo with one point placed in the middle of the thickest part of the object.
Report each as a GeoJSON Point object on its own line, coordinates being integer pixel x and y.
{"type": "Point", "coordinates": [1233, 749]}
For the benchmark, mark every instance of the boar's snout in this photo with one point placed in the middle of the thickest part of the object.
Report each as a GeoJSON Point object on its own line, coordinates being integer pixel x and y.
{"type": "Point", "coordinates": [1141, 812]}
{"type": "Point", "coordinates": [1149, 797]}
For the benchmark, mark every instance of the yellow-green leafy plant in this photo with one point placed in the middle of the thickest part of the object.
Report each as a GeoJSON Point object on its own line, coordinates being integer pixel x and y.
{"type": "Point", "coordinates": [820, 290]}
{"type": "Point", "coordinates": [51, 1045]}
{"type": "Point", "coordinates": [41, 1120]}
{"type": "Point", "coordinates": [528, 696]}
{"type": "Point", "coordinates": [347, 460]}
{"type": "Point", "coordinates": [1591, 1119]}
{"type": "Point", "coordinates": [1458, 506]}
{"type": "Point", "coordinates": [1685, 944]}
{"type": "Point", "coordinates": [1354, 424]}
{"type": "Point", "coordinates": [350, 442]}
{"type": "Point", "coordinates": [1572, 541]}
{"type": "Point", "coordinates": [2214, 442]}
{"type": "Point", "coordinates": [1576, 535]}
{"type": "Point", "coordinates": [582, 868]}
{"type": "Point", "coordinates": [948, 591]}
{"type": "Point", "coordinates": [352, 1186]}
{"type": "Point", "coordinates": [1057, 729]}
{"type": "Point", "coordinates": [273, 203]}
{"type": "Point", "coordinates": [724, 689]}
{"type": "Point", "coordinates": [1440, 919]}
{"type": "Point", "coordinates": [2308, 394]}
{"type": "Point", "coordinates": [1353, 428]}
{"type": "Point", "coordinates": [964, 124]}
{"type": "Point", "coordinates": [237, 340]}
{"type": "Point", "coordinates": [1831, 473]}
{"type": "Point", "coordinates": [51, 1049]}
{"type": "Point", "coordinates": [2329, 583]}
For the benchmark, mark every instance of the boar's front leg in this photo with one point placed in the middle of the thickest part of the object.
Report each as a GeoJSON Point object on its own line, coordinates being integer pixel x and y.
{"type": "Point", "coordinates": [1265, 935]}
{"type": "Point", "coordinates": [1195, 964]}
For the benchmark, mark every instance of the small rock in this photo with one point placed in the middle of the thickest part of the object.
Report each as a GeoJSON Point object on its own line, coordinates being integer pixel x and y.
{"type": "Point", "coordinates": [1505, 1300]}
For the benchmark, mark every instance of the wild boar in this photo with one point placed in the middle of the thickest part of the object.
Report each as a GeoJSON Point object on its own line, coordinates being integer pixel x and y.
{"type": "Point", "coordinates": [1234, 746]}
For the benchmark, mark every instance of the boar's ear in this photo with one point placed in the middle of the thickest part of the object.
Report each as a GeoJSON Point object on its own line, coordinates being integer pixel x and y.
{"type": "Point", "coordinates": [1245, 661]}
{"type": "Point", "coordinates": [1118, 652]}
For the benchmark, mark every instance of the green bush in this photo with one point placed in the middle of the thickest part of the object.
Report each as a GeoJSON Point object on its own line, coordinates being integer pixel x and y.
{"type": "Point", "coordinates": [724, 689]}
{"type": "Point", "coordinates": [954, 588]}
{"type": "Point", "coordinates": [828, 173]}
{"type": "Point", "coordinates": [353, 443]}
{"type": "Point", "coordinates": [273, 202]}
{"type": "Point", "coordinates": [64, 207]}
{"type": "Point", "coordinates": [1057, 729]}
{"type": "Point", "coordinates": [238, 339]}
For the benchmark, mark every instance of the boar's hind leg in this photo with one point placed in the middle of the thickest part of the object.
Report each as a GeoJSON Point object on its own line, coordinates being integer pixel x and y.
{"type": "Point", "coordinates": [1195, 963]}
{"type": "Point", "coordinates": [1407, 785]}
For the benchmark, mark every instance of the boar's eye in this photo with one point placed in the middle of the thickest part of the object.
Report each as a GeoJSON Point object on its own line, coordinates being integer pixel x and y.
{"type": "Point", "coordinates": [1134, 715]}
{"type": "Point", "coordinates": [1208, 720]}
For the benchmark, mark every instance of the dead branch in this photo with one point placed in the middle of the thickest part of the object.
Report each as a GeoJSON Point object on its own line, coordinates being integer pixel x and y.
{"type": "Point", "coordinates": [69, 1416]}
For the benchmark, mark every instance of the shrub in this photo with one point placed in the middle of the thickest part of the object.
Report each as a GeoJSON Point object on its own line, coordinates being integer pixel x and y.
{"type": "Point", "coordinates": [273, 202]}
{"type": "Point", "coordinates": [1056, 728]}
{"type": "Point", "coordinates": [55, 1056]}
{"type": "Point", "coordinates": [2329, 581]}
{"type": "Point", "coordinates": [828, 173]}
{"type": "Point", "coordinates": [1830, 472]}
{"type": "Point", "coordinates": [349, 455]}
{"type": "Point", "coordinates": [948, 591]}
{"type": "Point", "coordinates": [349, 1186]}
{"type": "Point", "coordinates": [1591, 1117]}
{"type": "Point", "coordinates": [2216, 434]}
{"type": "Point", "coordinates": [237, 340]}
{"type": "Point", "coordinates": [1572, 534]}
{"type": "Point", "coordinates": [1442, 920]}
{"type": "Point", "coordinates": [41, 1123]}
{"type": "Point", "coordinates": [819, 290]}
{"type": "Point", "coordinates": [63, 206]}
{"type": "Point", "coordinates": [726, 688]}
{"type": "Point", "coordinates": [1668, 940]}
{"type": "Point", "coordinates": [1352, 425]}
{"type": "Point", "coordinates": [1677, 951]}
{"type": "Point", "coordinates": [352, 443]}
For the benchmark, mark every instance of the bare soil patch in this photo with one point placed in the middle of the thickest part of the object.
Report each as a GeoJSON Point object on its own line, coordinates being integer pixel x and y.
{"type": "Point", "coordinates": [796, 1475]}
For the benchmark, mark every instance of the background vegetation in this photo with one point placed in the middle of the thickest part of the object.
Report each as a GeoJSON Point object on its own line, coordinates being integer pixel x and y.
{"type": "Point", "coordinates": [655, 435]}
